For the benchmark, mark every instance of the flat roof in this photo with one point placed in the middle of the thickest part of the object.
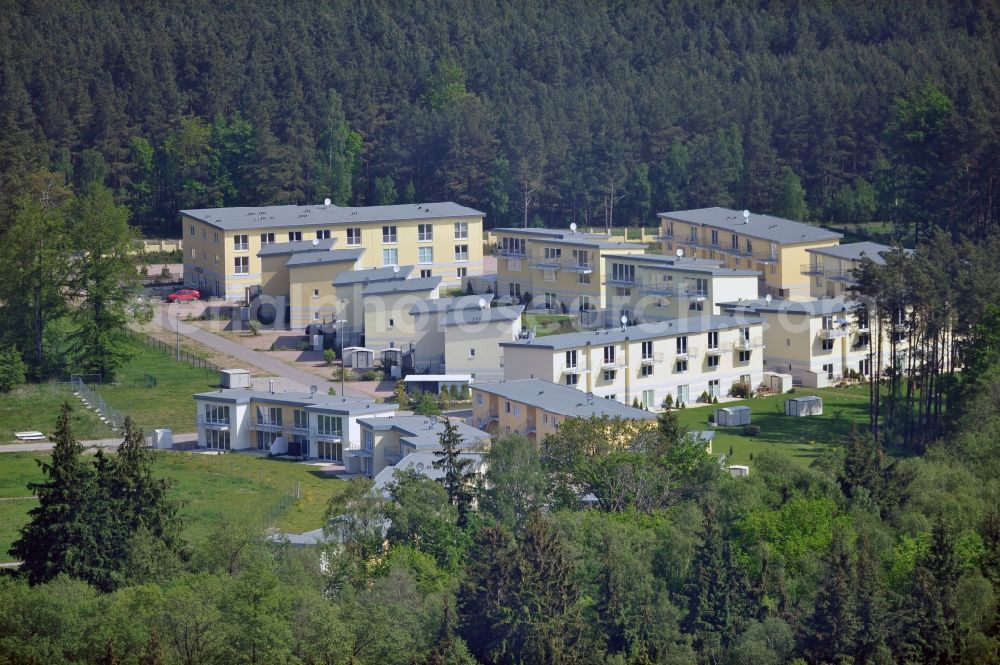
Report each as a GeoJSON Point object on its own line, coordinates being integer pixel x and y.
{"type": "Point", "coordinates": [372, 275]}
{"type": "Point", "coordinates": [643, 331]}
{"type": "Point", "coordinates": [402, 286]}
{"type": "Point", "coordinates": [421, 378]}
{"type": "Point", "coordinates": [683, 264]}
{"type": "Point", "coordinates": [309, 401]}
{"type": "Point", "coordinates": [449, 304]}
{"type": "Point", "coordinates": [562, 400]}
{"type": "Point", "coordinates": [855, 251]}
{"type": "Point", "coordinates": [487, 315]}
{"type": "Point", "coordinates": [814, 307]}
{"type": "Point", "coordinates": [425, 431]}
{"type": "Point", "coordinates": [321, 258]}
{"type": "Point", "coordinates": [596, 240]}
{"type": "Point", "coordinates": [262, 217]}
{"type": "Point", "coordinates": [765, 227]}
{"type": "Point", "coordinates": [279, 248]}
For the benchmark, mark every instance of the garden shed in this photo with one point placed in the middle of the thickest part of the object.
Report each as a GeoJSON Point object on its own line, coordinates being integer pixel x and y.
{"type": "Point", "coordinates": [809, 405]}
{"type": "Point", "coordinates": [359, 357]}
{"type": "Point", "coordinates": [731, 416]}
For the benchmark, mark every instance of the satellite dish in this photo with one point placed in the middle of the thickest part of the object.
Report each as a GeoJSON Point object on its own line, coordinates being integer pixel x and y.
{"type": "Point", "coordinates": [767, 298]}
{"type": "Point", "coordinates": [326, 202]}
{"type": "Point", "coordinates": [482, 303]}
{"type": "Point", "coordinates": [315, 241]}
{"type": "Point", "coordinates": [313, 389]}
{"type": "Point", "coordinates": [395, 270]}
{"type": "Point", "coordinates": [624, 319]}
{"type": "Point", "coordinates": [680, 252]}
{"type": "Point", "coordinates": [746, 213]}
{"type": "Point", "coordinates": [572, 227]}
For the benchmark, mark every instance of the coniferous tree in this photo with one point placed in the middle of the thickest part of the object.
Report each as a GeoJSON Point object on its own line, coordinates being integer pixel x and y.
{"type": "Point", "coordinates": [829, 632]}
{"type": "Point", "coordinates": [153, 654]}
{"type": "Point", "coordinates": [457, 474]}
{"type": "Point", "coordinates": [872, 613]}
{"type": "Point", "coordinates": [709, 619]}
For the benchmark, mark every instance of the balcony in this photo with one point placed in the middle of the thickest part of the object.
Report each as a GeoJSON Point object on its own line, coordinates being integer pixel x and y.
{"type": "Point", "coordinates": [613, 363]}
{"type": "Point", "coordinates": [580, 367]}
{"type": "Point", "coordinates": [714, 351]}
{"type": "Point", "coordinates": [744, 344]}
{"type": "Point", "coordinates": [582, 267]}
{"type": "Point", "coordinates": [687, 353]}
{"type": "Point", "coordinates": [325, 436]}
{"type": "Point", "coordinates": [530, 426]}
{"type": "Point", "coordinates": [623, 281]}
{"type": "Point", "coordinates": [267, 425]}
{"type": "Point", "coordinates": [652, 358]}
{"type": "Point", "coordinates": [394, 458]}
{"type": "Point", "coordinates": [511, 252]}
{"type": "Point", "coordinates": [834, 333]}
{"type": "Point", "coordinates": [766, 257]}
{"type": "Point", "coordinates": [665, 235]}
{"type": "Point", "coordinates": [213, 424]}
{"type": "Point", "coordinates": [543, 263]}
{"type": "Point", "coordinates": [812, 270]}
{"type": "Point", "coordinates": [693, 293]}
{"type": "Point", "coordinates": [840, 275]}
{"type": "Point", "coordinates": [660, 288]}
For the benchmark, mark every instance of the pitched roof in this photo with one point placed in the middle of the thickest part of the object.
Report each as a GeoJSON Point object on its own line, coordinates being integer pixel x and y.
{"type": "Point", "coordinates": [263, 217]}
{"type": "Point", "coordinates": [320, 258]}
{"type": "Point", "coordinates": [855, 251]}
{"type": "Point", "coordinates": [644, 331]}
{"type": "Point", "coordinates": [765, 227]}
{"type": "Point", "coordinates": [372, 275]}
{"type": "Point", "coordinates": [278, 248]}
{"type": "Point", "coordinates": [425, 431]}
{"type": "Point", "coordinates": [563, 400]}
{"type": "Point", "coordinates": [402, 286]}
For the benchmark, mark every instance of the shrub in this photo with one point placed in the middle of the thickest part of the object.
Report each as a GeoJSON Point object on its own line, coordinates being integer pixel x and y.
{"type": "Point", "coordinates": [372, 375]}
{"type": "Point", "coordinates": [751, 430]}
{"type": "Point", "coordinates": [741, 390]}
{"type": "Point", "coordinates": [12, 369]}
{"type": "Point", "coordinates": [711, 418]}
{"type": "Point", "coordinates": [703, 397]}
{"type": "Point", "coordinates": [668, 401]}
{"type": "Point", "coordinates": [465, 394]}
{"type": "Point", "coordinates": [715, 400]}
{"type": "Point", "coordinates": [329, 355]}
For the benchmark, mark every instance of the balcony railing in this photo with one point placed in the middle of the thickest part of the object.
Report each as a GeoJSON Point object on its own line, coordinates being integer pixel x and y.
{"type": "Point", "coordinates": [694, 293]}
{"type": "Point", "coordinates": [530, 426]}
{"type": "Point", "coordinates": [744, 344]}
{"type": "Point", "coordinates": [833, 333]}
{"type": "Point", "coordinates": [545, 263]}
{"type": "Point", "coordinates": [660, 288]}
{"type": "Point", "coordinates": [689, 352]}
{"type": "Point", "coordinates": [613, 363]}
{"type": "Point", "coordinates": [325, 436]}
{"type": "Point", "coordinates": [840, 275]}
{"type": "Point", "coordinates": [714, 351]}
{"type": "Point", "coordinates": [510, 252]}
{"type": "Point", "coordinates": [766, 257]}
{"type": "Point", "coordinates": [267, 425]}
{"type": "Point", "coordinates": [393, 459]}
{"type": "Point", "coordinates": [812, 270]}
{"type": "Point", "coordinates": [652, 358]}
{"type": "Point", "coordinates": [579, 368]}
{"type": "Point", "coordinates": [623, 281]}
{"type": "Point", "coordinates": [665, 235]}
{"type": "Point", "coordinates": [217, 424]}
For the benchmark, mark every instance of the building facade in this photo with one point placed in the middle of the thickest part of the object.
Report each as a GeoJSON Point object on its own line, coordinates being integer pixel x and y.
{"type": "Point", "coordinates": [387, 441]}
{"type": "Point", "coordinates": [831, 269]}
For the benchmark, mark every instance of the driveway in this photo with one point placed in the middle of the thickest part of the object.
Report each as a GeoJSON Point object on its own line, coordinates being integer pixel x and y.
{"type": "Point", "coordinates": [170, 317]}
{"type": "Point", "coordinates": [43, 446]}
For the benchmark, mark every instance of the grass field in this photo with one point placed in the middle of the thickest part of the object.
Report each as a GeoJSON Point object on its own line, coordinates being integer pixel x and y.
{"type": "Point", "coordinates": [167, 404]}
{"type": "Point", "coordinates": [211, 488]}
{"type": "Point", "coordinates": [549, 324]}
{"type": "Point", "coordinates": [799, 439]}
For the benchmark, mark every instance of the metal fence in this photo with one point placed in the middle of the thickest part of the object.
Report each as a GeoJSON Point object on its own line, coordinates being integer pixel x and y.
{"type": "Point", "coordinates": [177, 353]}
{"type": "Point", "coordinates": [278, 509]}
{"type": "Point", "coordinates": [108, 414]}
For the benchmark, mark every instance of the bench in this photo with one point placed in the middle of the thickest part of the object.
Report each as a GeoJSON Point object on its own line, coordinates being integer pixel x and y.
{"type": "Point", "coordinates": [30, 436]}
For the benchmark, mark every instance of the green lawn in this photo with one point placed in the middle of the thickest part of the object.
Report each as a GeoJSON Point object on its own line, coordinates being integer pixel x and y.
{"type": "Point", "coordinates": [36, 408]}
{"type": "Point", "coordinates": [210, 487]}
{"type": "Point", "coordinates": [799, 439]}
{"type": "Point", "coordinates": [549, 324]}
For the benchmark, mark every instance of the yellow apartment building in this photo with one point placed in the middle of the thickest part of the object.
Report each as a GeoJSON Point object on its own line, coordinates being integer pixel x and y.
{"type": "Point", "coordinates": [387, 304]}
{"type": "Point", "coordinates": [561, 270]}
{"type": "Point", "coordinates": [777, 248]}
{"type": "Point", "coordinates": [349, 287]}
{"type": "Point", "coordinates": [831, 269]}
{"type": "Point", "coordinates": [652, 287]}
{"type": "Point", "coordinates": [221, 245]}
{"type": "Point", "coordinates": [683, 358]}
{"type": "Point", "coordinates": [534, 408]}
{"type": "Point", "coordinates": [817, 341]}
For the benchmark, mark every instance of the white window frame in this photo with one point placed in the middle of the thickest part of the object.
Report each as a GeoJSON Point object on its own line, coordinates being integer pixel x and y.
{"type": "Point", "coordinates": [241, 243]}
{"type": "Point", "coordinates": [390, 235]}
{"type": "Point", "coordinates": [462, 253]}
{"type": "Point", "coordinates": [425, 232]}
{"type": "Point", "coordinates": [295, 236]}
{"type": "Point", "coordinates": [241, 265]}
{"type": "Point", "coordinates": [390, 256]}
{"type": "Point", "coordinates": [354, 236]}
{"type": "Point", "coordinates": [461, 230]}
{"type": "Point", "coordinates": [425, 255]}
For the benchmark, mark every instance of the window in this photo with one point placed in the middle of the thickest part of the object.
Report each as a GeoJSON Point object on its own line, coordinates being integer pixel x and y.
{"type": "Point", "coordinates": [623, 272]}
{"type": "Point", "coordinates": [217, 439]}
{"type": "Point", "coordinates": [295, 236]}
{"type": "Point", "coordinates": [515, 290]}
{"type": "Point", "coordinates": [426, 272]}
{"type": "Point", "coordinates": [462, 232]}
{"type": "Point", "coordinates": [329, 425]}
{"type": "Point", "coordinates": [315, 316]}
{"type": "Point", "coordinates": [581, 257]}
{"type": "Point", "coordinates": [506, 407]}
{"type": "Point", "coordinates": [217, 414]}
{"type": "Point", "coordinates": [571, 359]}
{"type": "Point", "coordinates": [509, 246]}
{"type": "Point", "coordinates": [735, 242]}
{"type": "Point", "coordinates": [681, 366]}
{"type": "Point", "coordinates": [828, 368]}
{"type": "Point", "coordinates": [744, 356]}
{"type": "Point", "coordinates": [609, 355]}
{"type": "Point", "coordinates": [194, 253]}
{"type": "Point", "coordinates": [827, 344]}
{"type": "Point", "coordinates": [461, 252]}
{"type": "Point", "coordinates": [648, 400]}
{"type": "Point", "coordinates": [713, 388]}
{"type": "Point", "coordinates": [461, 272]}
{"type": "Point", "coordinates": [514, 265]}
{"type": "Point", "coordinates": [265, 439]}
{"type": "Point", "coordinates": [353, 236]}
{"type": "Point", "coordinates": [713, 340]}
{"type": "Point", "coordinates": [552, 253]}
{"type": "Point", "coordinates": [322, 234]}
{"type": "Point", "coordinates": [693, 232]}
{"type": "Point", "coordinates": [713, 362]}
{"type": "Point", "coordinates": [215, 238]}
{"type": "Point", "coordinates": [425, 232]}
{"type": "Point", "coordinates": [390, 257]}
{"type": "Point", "coordinates": [191, 228]}
{"type": "Point", "coordinates": [683, 393]}
{"type": "Point", "coordinates": [392, 322]}
{"type": "Point", "coordinates": [270, 415]}
{"type": "Point", "coordinates": [864, 339]}
{"type": "Point", "coordinates": [472, 353]}
{"type": "Point", "coordinates": [612, 397]}
{"type": "Point", "coordinates": [479, 399]}
{"type": "Point", "coordinates": [241, 265]}
{"type": "Point", "coordinates": [548, 275]}
{"type": "Point", "coordinates": [623, 292]}
{"type": "Point", "coordinates": [749, 247]}
{"type": "Point", "coordinates": [388, 234]}
{"type": "Point", "coordinates": [645, 370]}
{"type": "Point", "coordinates": [682, 345]}
{"type": "Point", "coordinates": [266, 238]}
{"type": "Point", "coordinates": [241, 243]}
{"type": "Point", "coordinates": [774, 269]}
{"type": "Point", "coordinates": [585, 303]}
{"type": "Point", "coordinates": [425, 255]}
{"type": "Point", "coordinates": [609, 375]}
{"type": "Point", "coordinates": [715, 238]}
{"type": "Point", "coordinates": [330, 450]}
{"type": "Point", "coordinates": [583, 278]}
{"type": "Point", "coordinates": [216, 262]}
{"type": "Point", "coordinates": [315, 293]}
{"type": "Point", "coordinates": [551, 301]}
{"type": "Point", "coordinates": [696, 306]}
{"type": "Point", "coordinates": [647, 350]}
{"type": "Point", "coordinates": [204, 234]}
{"type": "Point", "coordinates": [299, 419]}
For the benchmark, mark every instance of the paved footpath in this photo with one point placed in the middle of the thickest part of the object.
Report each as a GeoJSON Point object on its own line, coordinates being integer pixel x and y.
{"type": "Point", "coordinates": [165, 319]}
{"type": "Point", "coordinates": [42, 446]}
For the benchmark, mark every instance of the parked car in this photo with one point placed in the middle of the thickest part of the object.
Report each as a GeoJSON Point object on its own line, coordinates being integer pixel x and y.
{"type": "Point", "coordinates": [184, 295]}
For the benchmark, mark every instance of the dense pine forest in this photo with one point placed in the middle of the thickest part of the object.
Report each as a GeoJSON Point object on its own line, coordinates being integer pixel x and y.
{"type": "Point", "coordinates": [587, 112]}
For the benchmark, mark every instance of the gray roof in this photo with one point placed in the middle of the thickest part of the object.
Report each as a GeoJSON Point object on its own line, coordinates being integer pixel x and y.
{"type": "Point", "coordinates": [372, 275]}
{"type": "Point", "coordinates": [855, 251]}
{"type": "Point", "coordinates": [314, 258]}
{"type": "Point", "coordinates": [264, 217]}
{"type": "Point", "coordinates": [488, 315]}
{"type": "Point", "coordinates": [644, 331]}
{"type": "Point", "coordinates": [596, 240]}
{"type": "Point", "coordinates": [402, 286]}
{"type": "Point", "coordinates": [684, 264]}
{"type": "Point", "coordinates": [279, 248]}
{"type": "Point", "coordinates": [449, 304]}
{"type": "Point", "coordinates": [424, 431]}
{"type": "Point", "coordinates": [814, 307]}
{"type": "Point", "coordinates": [563, 400]}
{"type": "Point", "coordinates": [422, 463]}
{"type": "Point", "coordinates": [765, 227]}
{"type": "Point", "coordinates": [307, 401]}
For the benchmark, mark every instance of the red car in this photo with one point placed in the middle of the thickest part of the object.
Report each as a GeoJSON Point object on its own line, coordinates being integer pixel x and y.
{"type": "Point", "coordinates": [184, 295]}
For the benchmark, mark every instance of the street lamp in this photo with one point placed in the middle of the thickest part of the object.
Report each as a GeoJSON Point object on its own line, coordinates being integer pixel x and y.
{"type": "Point", "coordinates": [340, 335]}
